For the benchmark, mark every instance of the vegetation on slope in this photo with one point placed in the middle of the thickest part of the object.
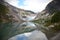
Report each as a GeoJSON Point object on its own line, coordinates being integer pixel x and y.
{"type": "Point", "coordinates": [4, 17]}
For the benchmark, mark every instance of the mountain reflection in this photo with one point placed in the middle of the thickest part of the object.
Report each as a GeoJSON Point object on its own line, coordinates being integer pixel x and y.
{"type": "Point", "coordinates": [28, 31]}
{"type": "Point", "coordinates": [22, 31]}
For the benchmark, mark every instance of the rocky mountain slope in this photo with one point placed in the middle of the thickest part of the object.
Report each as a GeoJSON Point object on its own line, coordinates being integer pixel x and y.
{"type": "Point", "coordinates": [54, 5]}
{"type": "Point", "coordinates": [17, 12]}
{"type": "Point", "coordinates": [43, 14]}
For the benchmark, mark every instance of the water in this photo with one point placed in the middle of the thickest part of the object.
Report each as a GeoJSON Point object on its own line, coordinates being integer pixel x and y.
{"type": "Point", "coordinates": [34, 35]}
{"type": "Point", "coordinates": [26, 31]}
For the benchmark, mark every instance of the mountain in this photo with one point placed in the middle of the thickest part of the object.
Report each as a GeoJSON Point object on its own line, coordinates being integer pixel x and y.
{"type": "Point", "coordinates": [52, 6]}
{"type": "Point", "coordinates": [1, 1]}
{"type": "Point", "coordinates": [42, 15]}
{"type": "Point", "coordinates": [18, 13]}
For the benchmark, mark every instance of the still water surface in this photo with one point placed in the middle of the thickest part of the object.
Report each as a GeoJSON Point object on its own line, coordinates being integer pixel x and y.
{"type": "Point", "coordinates": [22, 31]}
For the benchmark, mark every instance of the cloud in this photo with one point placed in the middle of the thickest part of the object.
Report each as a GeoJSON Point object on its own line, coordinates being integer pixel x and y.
{"type": "Point", "coordinates": [33, 5]}
{"type": "Point", "coordinates": [13, 2]}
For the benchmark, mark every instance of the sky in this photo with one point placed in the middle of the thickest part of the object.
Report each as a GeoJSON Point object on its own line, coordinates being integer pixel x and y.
{"type": "Point", "coordinates": [33, 5]}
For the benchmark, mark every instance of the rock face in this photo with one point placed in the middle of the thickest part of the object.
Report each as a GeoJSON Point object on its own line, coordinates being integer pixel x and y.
{"type": "Point", "coordinates": [56, 37]}
{"type": "Point", "coordinates": [51, 7]}
{"type": "Point", "coordinates": [54, 5]}
{"type": "Point", "coordinates": [27, 15]}
{"type": "Point", "coordinates": [1, 1]}
{"type": "Point", "coordinates": [17, 12]}
{"type": "Point", "coordinates": [42, 15]}
{"type": "Point", "coordinates": [13, 11]}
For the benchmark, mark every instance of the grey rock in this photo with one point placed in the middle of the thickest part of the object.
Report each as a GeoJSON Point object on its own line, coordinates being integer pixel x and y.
{"type": "Point", "coordinates": [54, 5]}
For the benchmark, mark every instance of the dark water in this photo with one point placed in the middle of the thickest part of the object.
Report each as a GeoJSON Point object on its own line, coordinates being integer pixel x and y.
{"type": "Point", "coordinates": [25, 31]}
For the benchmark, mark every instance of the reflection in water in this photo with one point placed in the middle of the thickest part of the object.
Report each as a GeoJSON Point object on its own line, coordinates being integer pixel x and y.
{"type": "Point", "coordinates": [26, 27]}
{"type": "Point", "coordinates": [25, 31]}
{"type": "Point", "coordinates": [28, 24]}
{"type": "Point", "coordinates": [34, 35]}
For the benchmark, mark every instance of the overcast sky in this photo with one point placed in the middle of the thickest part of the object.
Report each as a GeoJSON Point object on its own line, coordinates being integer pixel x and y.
{"type": "Point", "coordinates": [33, 5]}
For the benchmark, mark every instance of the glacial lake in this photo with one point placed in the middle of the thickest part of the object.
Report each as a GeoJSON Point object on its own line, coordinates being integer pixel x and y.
{"type": "Point", "coordinates": [25, 31]}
